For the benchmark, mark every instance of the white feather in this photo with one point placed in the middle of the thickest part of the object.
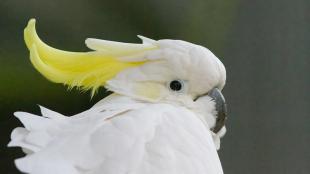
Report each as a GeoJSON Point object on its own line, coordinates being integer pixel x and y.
{"type": "Point", "coordinates": [112, 46]}
{"type": "Point", "coordinates": [130, 137]}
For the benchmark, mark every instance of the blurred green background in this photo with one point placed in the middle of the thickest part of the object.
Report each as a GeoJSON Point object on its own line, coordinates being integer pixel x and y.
{"type": "Point", "coordinates": [265, 46]}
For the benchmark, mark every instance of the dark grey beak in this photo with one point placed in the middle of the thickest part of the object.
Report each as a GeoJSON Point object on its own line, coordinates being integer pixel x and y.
{"type": "Point", "coordinates": [221, 109]}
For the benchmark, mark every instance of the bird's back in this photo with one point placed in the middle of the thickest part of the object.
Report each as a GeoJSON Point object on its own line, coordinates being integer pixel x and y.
{"type": "Point", "coordinates": [117, 136]}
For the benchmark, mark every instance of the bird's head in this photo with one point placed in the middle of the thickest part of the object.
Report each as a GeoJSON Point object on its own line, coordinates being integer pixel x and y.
{"type": "Point", "coordinates": [172, 71]}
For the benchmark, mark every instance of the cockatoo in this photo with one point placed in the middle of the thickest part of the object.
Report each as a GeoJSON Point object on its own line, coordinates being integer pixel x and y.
{"type": "Point", "coordinates": [165, 116]}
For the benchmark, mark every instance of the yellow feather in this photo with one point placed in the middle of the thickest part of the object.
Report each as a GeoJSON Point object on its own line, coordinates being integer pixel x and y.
{"type": "Point", "coordinates": [87, 70]}
{"type": "Point", "coordinates": [151, 91]}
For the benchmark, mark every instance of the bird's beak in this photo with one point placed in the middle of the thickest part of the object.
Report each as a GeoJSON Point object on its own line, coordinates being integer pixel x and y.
{"type": "Point", "coordinates": [220, 106]}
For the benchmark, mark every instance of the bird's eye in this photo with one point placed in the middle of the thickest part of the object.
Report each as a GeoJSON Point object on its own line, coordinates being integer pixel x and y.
{"type": "Point", "coordinates": [176, 85]}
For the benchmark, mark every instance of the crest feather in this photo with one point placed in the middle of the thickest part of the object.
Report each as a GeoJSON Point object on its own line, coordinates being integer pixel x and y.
{"type": "Point", "coordinates": [85, 70]}
{"type": "Point", "coordinates": [117, 48]}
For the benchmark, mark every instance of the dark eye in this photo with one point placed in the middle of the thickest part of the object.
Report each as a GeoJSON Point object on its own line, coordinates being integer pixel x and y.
{"type": "Point", "coordinates": [176, 85]}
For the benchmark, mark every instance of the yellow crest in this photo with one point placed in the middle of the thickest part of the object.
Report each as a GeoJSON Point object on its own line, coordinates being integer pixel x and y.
{"type": "Point", "coordinates": [86, 70]}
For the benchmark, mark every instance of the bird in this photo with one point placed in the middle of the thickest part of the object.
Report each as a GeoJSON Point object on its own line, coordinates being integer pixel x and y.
{"type": "Point", "coordinates": [165, 114]}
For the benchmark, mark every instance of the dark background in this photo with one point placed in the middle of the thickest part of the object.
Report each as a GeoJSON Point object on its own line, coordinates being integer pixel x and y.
{"type": "Point", "coordinates": [265, 46]}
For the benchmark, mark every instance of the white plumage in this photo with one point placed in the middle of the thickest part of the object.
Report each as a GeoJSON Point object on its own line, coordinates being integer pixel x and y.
{"type": "Point", "coordinates": [160, 118]}
{"type": "Point", "coordinates": [118, 135]}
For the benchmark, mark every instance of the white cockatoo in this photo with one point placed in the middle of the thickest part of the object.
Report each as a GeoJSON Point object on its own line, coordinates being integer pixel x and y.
{"type": "Point", "coordinates": [166, 114]}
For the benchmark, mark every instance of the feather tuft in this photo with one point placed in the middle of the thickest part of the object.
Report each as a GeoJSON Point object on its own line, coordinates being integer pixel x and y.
{"type": "Point", "coordinates": [84, 70]}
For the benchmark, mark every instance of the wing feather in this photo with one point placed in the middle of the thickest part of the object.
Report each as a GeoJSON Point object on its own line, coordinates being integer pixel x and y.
{"type": "Point", "coordinates": [144, 138]}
